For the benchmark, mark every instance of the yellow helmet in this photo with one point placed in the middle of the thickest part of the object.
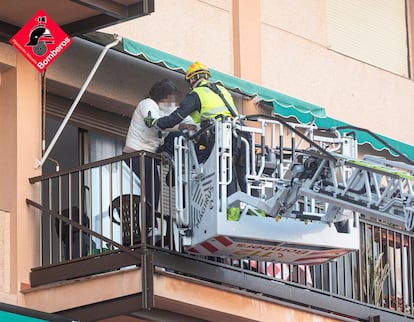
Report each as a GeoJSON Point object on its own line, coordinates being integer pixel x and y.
{"type": "Point", "coordinates": [197, 69]}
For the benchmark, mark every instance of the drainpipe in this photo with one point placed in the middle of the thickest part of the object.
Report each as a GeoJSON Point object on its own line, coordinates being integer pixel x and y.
{"type": "Point", "coordinates": [38, 162]}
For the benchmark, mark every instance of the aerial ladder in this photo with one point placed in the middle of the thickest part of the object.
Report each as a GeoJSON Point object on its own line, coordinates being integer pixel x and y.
{"type": "Point", "coordinates": [306, 190]}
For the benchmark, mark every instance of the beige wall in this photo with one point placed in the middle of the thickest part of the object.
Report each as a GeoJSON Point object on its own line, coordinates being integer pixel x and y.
{"type": "Point", "coordinates": [20, 119]}
{"type": "Point", "coordinates": [410, 25]}
{"type": "Point", "coordinates": [297, 62]}
{"type": "Point", "coordinates": [304, 19]}
{"type": "Point", "coordinates": [247, 40]}
{"type": "Point", "coordinates": [6, 293]}
{"type": "Point", "coordinates": [288, 53]}
{"type": "Point", "coordinates": [194, 30]}
{"type": "Point", "coordinates": [8, 186]}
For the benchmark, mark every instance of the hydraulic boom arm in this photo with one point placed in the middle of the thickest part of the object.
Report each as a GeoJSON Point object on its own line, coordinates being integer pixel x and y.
{"type": "Point", "coordinates": [316, 176]}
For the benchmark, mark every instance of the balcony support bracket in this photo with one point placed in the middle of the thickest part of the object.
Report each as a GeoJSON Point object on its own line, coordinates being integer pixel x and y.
{"type": "Point", "coordinates": [147, 261]}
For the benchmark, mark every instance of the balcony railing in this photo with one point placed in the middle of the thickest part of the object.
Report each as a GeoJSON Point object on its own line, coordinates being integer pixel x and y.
{"type": "Point", "coordinates": [98, 208]}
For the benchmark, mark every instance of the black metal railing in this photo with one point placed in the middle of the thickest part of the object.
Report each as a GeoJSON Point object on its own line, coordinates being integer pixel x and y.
{"type": "Point", "coordinates": [106, 197]}
{"type": "Point", "coordinates": [99, 207]}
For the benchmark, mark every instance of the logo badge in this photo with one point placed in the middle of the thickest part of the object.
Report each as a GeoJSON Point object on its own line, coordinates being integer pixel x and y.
{"type": "Point", "coordinates": [41, 40]}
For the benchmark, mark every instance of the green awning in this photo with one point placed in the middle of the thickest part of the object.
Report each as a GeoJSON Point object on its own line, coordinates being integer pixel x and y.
{"type": "Point", "coordinates": [364, 137]}
{"type": "Point", "coordinates": [14, 313]}
{"type": "Point", "coordinates": [283, 105]}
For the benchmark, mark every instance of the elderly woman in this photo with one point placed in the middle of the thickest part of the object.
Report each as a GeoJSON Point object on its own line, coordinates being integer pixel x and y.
{"type": "Point", "coordinates": [160, 102]}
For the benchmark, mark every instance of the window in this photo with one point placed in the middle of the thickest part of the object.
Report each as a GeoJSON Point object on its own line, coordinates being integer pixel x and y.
{"type": "Point", "coordinates": [373, 31]}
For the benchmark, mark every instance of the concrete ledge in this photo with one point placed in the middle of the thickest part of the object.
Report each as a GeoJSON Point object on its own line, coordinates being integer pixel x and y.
{"type": "Point", "coordinates": [84, 291]}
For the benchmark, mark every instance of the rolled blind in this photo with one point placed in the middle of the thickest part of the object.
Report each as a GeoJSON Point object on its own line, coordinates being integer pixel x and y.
{"type": "Point", "coordinates": [373, 31]}
{"type": "Point", "coordinates": [88, 117]}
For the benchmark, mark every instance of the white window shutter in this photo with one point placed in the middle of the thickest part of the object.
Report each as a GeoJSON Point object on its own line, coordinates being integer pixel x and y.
{"type": "Point", "coordinates": [373, 31]}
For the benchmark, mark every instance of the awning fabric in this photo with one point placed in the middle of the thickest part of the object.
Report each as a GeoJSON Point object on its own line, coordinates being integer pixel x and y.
{"type": "Point", "coordinates": [366, 138]}
{"type": "Point", "coordinates": [283, 105]}
{"type": "Point", "coordinates": [14, 313]}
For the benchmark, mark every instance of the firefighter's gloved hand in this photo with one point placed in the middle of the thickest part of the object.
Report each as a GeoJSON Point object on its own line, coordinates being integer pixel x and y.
{"type": "Point", "coordinates": [149, 120]}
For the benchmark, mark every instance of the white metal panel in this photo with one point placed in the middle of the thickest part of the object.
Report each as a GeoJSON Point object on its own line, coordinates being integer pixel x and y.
{"type": "Point", "coordinates": [373, 31]}
{"type": "Point", "coordinates": [287, 241]}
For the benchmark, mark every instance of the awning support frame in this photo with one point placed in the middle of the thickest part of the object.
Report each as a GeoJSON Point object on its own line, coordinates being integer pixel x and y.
{"type": "Point", "coordinates": [38, 162]}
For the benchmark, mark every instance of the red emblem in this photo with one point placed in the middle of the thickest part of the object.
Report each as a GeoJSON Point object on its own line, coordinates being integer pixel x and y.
{"type": "Point", "coordinates": [41, 40]}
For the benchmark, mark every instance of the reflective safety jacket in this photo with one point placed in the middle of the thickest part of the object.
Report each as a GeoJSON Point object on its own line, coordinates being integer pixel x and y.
{"type": "Point", "coordinates": [202, 103]}
{"type": "Point", "coordinates": [212, 104]}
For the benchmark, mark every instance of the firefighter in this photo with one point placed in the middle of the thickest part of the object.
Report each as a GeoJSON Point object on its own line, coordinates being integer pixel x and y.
{"type": "Point", "coordinates": [204, 102]}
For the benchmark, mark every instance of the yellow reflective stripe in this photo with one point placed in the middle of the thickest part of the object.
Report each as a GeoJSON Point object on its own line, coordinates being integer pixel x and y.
{"type": "Point", "coordinates": [211, 104]}
{"type": "Point", "coordinates": [397, 173]}
{"type": "Point", "coordinates": [375, 167]}
{"type": "Point", "coordinates": [214, 112]}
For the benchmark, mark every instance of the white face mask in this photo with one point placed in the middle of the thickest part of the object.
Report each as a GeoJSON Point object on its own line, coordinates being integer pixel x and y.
{"type": "Point", "coordinates": [167, 107]}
